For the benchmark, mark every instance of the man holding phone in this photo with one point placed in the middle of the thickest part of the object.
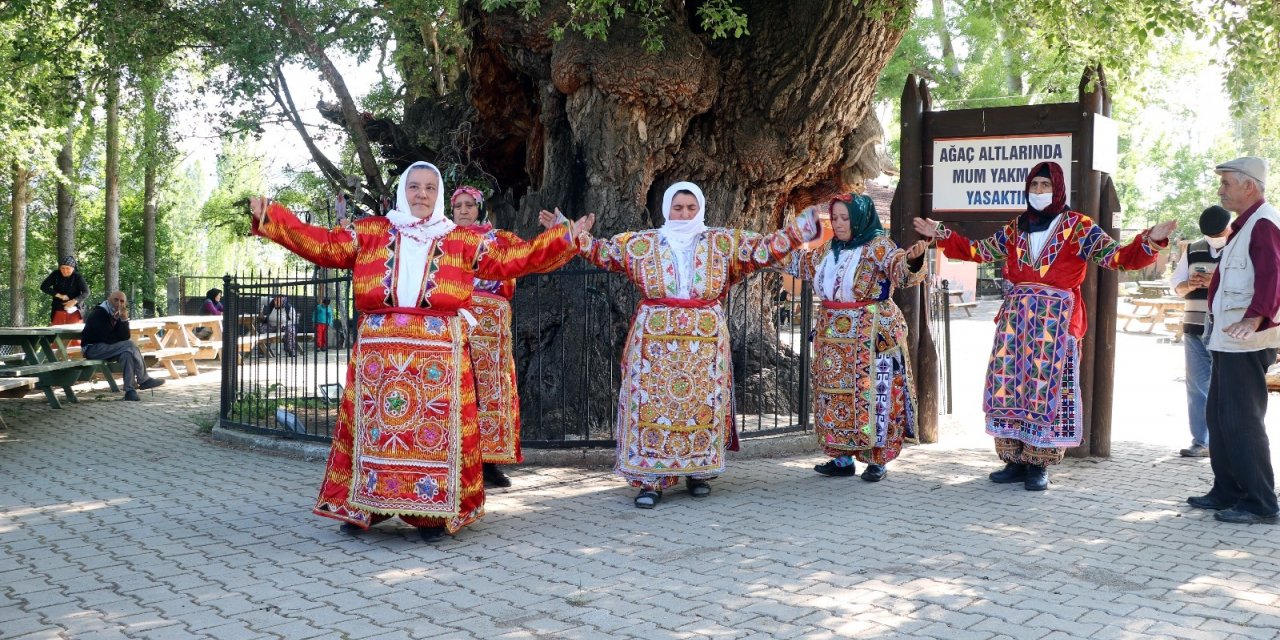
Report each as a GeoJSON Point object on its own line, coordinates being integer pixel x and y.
{"type": "Point", "coordinates": [1191, 282]}
{"type": "Point", "coordinates": [106, 337]}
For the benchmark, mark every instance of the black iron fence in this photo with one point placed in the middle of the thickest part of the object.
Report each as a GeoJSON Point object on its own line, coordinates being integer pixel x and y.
{"type": "Point", "coordinates": [569, 331]}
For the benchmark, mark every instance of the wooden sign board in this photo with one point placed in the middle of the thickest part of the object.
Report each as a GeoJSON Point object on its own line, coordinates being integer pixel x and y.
{"type": "Point", "coordinates": [988, 175]}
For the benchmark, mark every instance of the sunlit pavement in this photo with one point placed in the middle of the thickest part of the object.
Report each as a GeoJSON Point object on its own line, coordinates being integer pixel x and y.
{"type": "Point", "coordinates": [119, 520]}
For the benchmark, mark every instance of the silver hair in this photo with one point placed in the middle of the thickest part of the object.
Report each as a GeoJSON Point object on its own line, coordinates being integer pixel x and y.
{"type": "Point", "coordinates": [1242, 178]}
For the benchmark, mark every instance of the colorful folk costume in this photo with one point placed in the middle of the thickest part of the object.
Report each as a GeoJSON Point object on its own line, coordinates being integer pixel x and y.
{"type": "Point", "coordinates": [864, 402]}
{"type": "Point", "coordinates": [675, 401]}
{"type": "Point", "coordinates": [1032, 384]}
{"type": "Point", "coordinates": [407, 441]}
{"type": "Point", "coordinates": [492, 361]}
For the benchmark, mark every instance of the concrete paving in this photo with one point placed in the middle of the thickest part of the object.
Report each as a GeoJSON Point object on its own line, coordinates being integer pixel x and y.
{"type": "Point", "coordinates": [122, 520]}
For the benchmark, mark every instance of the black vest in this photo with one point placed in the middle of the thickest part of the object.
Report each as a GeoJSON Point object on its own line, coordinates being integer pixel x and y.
{"type": "Point", "coordinates": [1199, 260]}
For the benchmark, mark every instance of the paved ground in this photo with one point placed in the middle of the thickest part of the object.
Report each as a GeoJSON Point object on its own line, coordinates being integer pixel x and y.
{"type": "Point", "coordinates": [119, 520]}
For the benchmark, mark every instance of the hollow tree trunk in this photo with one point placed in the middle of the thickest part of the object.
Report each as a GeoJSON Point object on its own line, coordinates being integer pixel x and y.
{"type": "Point", "coordinates": [765, 124]}
{"type": "Point", "coordinates": [19, 198]}
{"type": "Point", "coordinates": [111, 222]}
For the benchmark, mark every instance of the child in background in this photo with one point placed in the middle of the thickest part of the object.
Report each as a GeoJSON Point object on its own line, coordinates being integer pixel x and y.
{"type": "Point", "coordinates": [323, 317]}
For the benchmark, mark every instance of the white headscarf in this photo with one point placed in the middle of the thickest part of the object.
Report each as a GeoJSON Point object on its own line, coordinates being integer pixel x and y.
{"type": "Point", "coordinates": [416, 237]}
{"type": "Point", "coordinates": [418, 228]}
{"type": "Point", "coordinates": [682, 234]}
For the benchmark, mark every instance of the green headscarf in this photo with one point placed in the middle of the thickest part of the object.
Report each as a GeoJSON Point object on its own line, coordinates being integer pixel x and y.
{"type": "Point", "coordinates": [864, 224]}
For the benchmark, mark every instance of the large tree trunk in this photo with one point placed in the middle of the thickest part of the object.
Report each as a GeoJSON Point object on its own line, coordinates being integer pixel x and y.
{"type": "Point", "coordinates": [19, 197]}
{"type": "Point", "coordinates": [765, 124]}
{"type": "Point", "coordinates": [111, 267]}
{"type": "Point", "coordinates": [150, 159]}
{"type": "Point", "coordinates": [944, 36]}
{"type": "Point", "coordinates": [66, 193]}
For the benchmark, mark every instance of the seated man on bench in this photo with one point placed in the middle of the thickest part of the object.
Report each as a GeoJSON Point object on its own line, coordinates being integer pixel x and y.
{"type": "Point", "coordinates": [106, 337]}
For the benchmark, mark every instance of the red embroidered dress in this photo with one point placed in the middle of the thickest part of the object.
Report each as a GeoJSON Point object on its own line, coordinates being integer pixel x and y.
{"type": "Point", "coordinates": [407, 441]}
{"type": "Point", "coordinates": [1031, 383]}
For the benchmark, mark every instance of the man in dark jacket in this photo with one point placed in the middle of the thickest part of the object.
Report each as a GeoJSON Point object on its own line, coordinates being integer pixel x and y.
{"type": "Point", "coordinates": [106, 337]}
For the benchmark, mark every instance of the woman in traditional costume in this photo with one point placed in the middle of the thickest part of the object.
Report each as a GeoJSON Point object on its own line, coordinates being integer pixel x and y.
{"type": "Point", "coordinates": [407, 442]}
{"type": "Point", "coordinates": [1033, 383]}
{"type": "Point", "coordinates": [864, 402]}
{"type": "Point", "coordinates": [491, 342]}
{"type": "Point", "coordinates": [675, 402]}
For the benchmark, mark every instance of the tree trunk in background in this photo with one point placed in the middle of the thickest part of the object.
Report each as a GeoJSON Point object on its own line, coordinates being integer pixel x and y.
{"type": "Point", "coordinates": [593, 126]}
{"type": "Point", "coordinates": [19, 197]}
{"type": "Point", "coordinates": [66, 194]}
{"type": "Point", "coordinates": [944, 36]}
{"type": "Point", "coordinates": [150, 153]}
{"type": "Point", "coordinates": [111, 266]}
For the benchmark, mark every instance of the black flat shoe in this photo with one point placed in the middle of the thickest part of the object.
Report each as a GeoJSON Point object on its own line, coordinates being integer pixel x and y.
{"type": "Point", "coordinates": [875, 473]}
{"type": "Point", "coordinates": [1037, 478]}
{"type": "Point", "coordinates": [430, 534]}
{"type": "Point", "coordinates": [1236, 516]}
{"type": "Point", "coordinates": [494, 477]}
{"type": "Point", "coordinates": [1009, 474]}
{"type": "Point", "coordinates": [648, 499]}
{"type": "Point", "coordinates": [698, 488]}
{"type": "Point", "coordinates": [1206, 502]}
{"type": "Point", "coordinates": [350, 529]}
{"type": "Point", "coordinates": [832, 470]}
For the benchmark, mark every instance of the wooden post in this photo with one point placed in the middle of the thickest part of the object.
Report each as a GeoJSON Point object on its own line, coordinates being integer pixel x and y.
{"type": "Point", "coordinates": [1104, 361]}
{"type": "Point", "coordinates": [1089, 201]}
{"type": "Point", "coordinates": [907, 202]}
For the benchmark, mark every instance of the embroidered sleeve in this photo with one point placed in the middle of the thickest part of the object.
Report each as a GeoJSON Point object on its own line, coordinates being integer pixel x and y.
{"type": "Point", "coordinates": [802, 263]}
{"type": "Point", "coordinates": [752, 251]}
{"type": "Point", "coordinates": [606, 253]}
{"type": "Point", "coordinates": [899, 268]}
{"type": "Point", "coordinates": [1103, 250]}
{"type": "Point", "coordinates": [513, 257]}
{"type": "Point", "coordinates": [957, 247]}
{"type": "Point", "coordinates": [334, 248]}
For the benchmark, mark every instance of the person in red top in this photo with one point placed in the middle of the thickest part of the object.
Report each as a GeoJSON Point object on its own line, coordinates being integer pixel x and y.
{"type": "Point", "coordinates": [1244, 305]}
{"type": "Point", "coordinates": [1032, 383]}
{"type": "Point", "coordinates": [407, 440]}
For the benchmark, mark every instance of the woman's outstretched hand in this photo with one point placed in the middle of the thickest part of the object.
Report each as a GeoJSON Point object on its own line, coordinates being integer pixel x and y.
{"type": "Point", "coordinates": [917, 249]}
{"type": "Point", "coordinates": [549, 219]}
{"type": "Point", "coordinates": [583, 224]}
{"type": "Point", "coordinates": [925, 227]}
{"type": "Point", "coordinates": [258, 207]}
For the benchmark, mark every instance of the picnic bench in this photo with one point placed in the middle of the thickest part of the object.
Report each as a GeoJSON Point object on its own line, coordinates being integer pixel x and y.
{"type": "Point", "coordinates": [956, 300]}
{"type": "Point", "coordinates": [45, 359]}
{"type": "Point", "coordinates": [1153, 312]}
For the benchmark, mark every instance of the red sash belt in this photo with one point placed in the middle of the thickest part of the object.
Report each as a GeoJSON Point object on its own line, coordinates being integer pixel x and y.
{"type": "Point", "coordinates": [686, 303]}
{"type": "Point", "coordinates": [410, 311]}
{"type": "Point", "coordinates": [831, 304]}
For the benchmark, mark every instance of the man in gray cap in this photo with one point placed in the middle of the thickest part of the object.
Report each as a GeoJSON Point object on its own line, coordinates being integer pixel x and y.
{"type": "Point", "coordinates": [1244, 307]}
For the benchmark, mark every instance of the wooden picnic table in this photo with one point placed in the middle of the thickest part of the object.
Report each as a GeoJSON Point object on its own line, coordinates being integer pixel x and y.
{"type": "Point", "coordinates": [152, 335]}
{"type": "Point", "coordinates": [45, 360]}
{"type": "Point", "coordinates": [1152, 310]}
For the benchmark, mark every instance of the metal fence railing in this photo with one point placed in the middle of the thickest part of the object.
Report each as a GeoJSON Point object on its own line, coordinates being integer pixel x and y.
{"type": "Point", "coordinates": [569, 331]}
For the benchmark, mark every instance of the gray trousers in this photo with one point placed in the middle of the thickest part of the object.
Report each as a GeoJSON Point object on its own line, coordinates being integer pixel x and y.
{"type": "Point", "coordinates": [135, 370]}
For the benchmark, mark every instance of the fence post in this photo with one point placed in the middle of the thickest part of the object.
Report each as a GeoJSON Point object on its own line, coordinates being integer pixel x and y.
{"type": "Point", "coordinates": [230, 340]}
{"type": "Point", "coordinates": [806, 326]}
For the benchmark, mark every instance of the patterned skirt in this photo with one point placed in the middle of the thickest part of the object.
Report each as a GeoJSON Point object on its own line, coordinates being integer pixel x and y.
{"type": "Point", "coordinates": [1032, 384]}
{"type": "Point", "coordinates": [864, 398]}
{"type": "Point", "coordinates": [406, 442]}
{"type": "Point", "coordinates": [495, 370]}
{"type": "Point", "coordinates": [674, 413]}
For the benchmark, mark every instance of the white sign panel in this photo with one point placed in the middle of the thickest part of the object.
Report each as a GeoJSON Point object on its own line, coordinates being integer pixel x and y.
{"type": "Point", "coordinates": [985, 175]}
{"type": "Point", "coordinates": [1106, 144]}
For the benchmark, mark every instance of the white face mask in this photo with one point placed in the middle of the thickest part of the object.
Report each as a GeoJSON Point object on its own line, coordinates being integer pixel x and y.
{"type": "Point", "coordinates": [1217, 243]}
{"type": "Point", "coordinates": [1039, 201]}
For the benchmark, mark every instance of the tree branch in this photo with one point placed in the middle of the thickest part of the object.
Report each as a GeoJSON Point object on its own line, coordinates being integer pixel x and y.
{"type": "Point", "coordinates": [354, 121]}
